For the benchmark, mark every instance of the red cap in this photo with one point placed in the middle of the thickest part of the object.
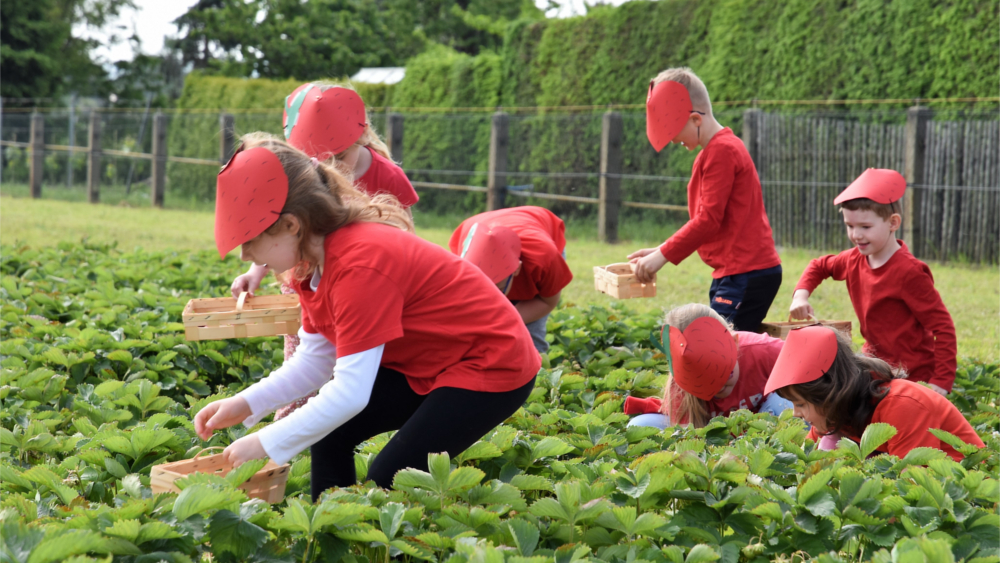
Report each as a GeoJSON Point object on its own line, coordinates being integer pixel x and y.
{"type": "Point", "coordinates": [250, 192]}
{"type": "Point", "coordinates": [322, 123]}
{"type": "Point", "coordinates": [494, 249]}
{"type": "Point", "coordinates": [702, 357]}
{"type": "Point", "coordinates": [668, 107]}
{"type": "Point", "coordinates": [807, 354]}
{"type": "Point", "coordinates": [877, 184]}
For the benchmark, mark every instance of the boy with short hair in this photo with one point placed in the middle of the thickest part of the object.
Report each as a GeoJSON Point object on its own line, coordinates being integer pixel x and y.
{"type": "Point", "coordinates": [728, 227]}
{"type": "Point", "coordinates": [902, 317]}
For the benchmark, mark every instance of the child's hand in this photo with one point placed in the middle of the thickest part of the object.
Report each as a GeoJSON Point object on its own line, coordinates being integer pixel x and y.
{"type": "Point", "coordinates": [220, 414]}
{"type": "Point", "coordinates": [249, 281]}
{"type": "Point", "coordinates": [801, 309]}
{"type": "Point", "coordinates": [640, 253]}
{"type": "Point", "coordinates": [938, 390]}
{"type": "Point", "coordinates": [243, 450]}
{"type": "Point", "coordinates": [645, 268]}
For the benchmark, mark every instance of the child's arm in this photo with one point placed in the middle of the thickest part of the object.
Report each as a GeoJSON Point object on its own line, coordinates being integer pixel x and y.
{"type": "Point", "coordinates": [925, 302]}
{"type": "Point", "coordinates": [717, 187]}
{"type": "Point", "coordinates": [249, 281]}
{"type": "Point", "coordinates": [830, 266]}
{"type": "Point", "coordinates": [534, 309]}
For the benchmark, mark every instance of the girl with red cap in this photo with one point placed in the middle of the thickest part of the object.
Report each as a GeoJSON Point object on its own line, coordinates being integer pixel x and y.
{"type": "Point", "coordinates": [378, 311]}
{"type": "Point", "coordinates": [839, 392]}
{"type": "Point", "coordinates": [330, 123]}
{"type": "Point", "coordinates": [714, 371]}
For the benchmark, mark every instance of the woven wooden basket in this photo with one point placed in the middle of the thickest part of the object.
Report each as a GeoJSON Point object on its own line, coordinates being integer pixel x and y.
{"type": "Point", "coordinates": [268, 484]}
{"type": "Point", "coordinates": [225, 317]}
{"type": "Point", "coordinates": [618, 281]}
{"type": "Point", "coordinates": [781, 329]}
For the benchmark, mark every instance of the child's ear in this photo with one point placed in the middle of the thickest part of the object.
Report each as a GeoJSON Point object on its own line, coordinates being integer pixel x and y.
{"type": "Point", "coordinates": [895, 222]}
{"type": "Point", "coordinates": [292, 224]}
{"type": "Point", "coordinates": [697, 120]}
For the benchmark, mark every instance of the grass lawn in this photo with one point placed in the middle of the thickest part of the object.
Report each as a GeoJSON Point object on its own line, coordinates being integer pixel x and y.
{"type": "Point", "coordinates": [971, 293]}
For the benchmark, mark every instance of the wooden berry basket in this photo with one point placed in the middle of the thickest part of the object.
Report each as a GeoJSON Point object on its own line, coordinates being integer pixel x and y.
{"type": "Point", "coordinates": [781, 329]}
{"type": "Point", "coordinates": [225, 317]}
{"type": "Point", "coordinates": [618, 281]}
{"type": "Point", "coordinates": [268, 484]}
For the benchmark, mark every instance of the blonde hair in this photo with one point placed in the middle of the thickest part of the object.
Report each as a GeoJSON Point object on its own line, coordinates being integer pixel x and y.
{"type": "Point", "coordinates": [369, 138]}
{"type": "Point", "coordinates": [695, 87]}
{"type": "Point", "coordinates": [694, 408]}
{"type": "Point", "coordinates": [323, 199]}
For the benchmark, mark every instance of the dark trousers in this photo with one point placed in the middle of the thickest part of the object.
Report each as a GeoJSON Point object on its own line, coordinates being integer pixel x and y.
{"type": "Point", "coordinates": [743, 299]}
{"type": "Point", "coordinates": [445, 420]}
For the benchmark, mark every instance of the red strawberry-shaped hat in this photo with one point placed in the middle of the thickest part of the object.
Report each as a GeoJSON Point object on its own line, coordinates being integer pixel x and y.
{"type": "Point", "coordinates": [494, 249]}
{"type": "Point", "coordinates": [322, 123]}
{"type": "Point", "coordinates": [668, 106]}
{"type": "Point", "coordinates": [877, 184]}
{"type": "Point", "coordinates": [250, 193]}
{"type": "Point", "coordinates": [702, 357]}
{"type": "Point", "coordinates": [807, 354]}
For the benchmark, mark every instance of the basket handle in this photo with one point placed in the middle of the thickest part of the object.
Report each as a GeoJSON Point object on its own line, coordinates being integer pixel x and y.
{"type": "Point", "coordinates": [197, 455]}
{"type": "Point", "coordinates": [811, 317]}
{"type": "Point", "coordinates": [241, 302]}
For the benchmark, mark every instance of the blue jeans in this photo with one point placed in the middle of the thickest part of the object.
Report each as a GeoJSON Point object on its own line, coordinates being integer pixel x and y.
{"type": "Point", "coordinates": [773, 404]}
{"type": "Point", "coordinates": [537, 331]}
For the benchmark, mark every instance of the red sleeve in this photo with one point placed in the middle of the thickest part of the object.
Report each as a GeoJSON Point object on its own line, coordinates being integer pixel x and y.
{"type": "Point", "coordinates": [635, 405]}
{"type": "Point", "coordinates": [830, 266]}
{"type": "Point", "coordinates": [911, 418]}
{"type": "Point", "coordinates": [717, 179]}
{"type": "Point", "coordinates": [367, 310]}
{"type": "Point", "coordinates": [925, 302]}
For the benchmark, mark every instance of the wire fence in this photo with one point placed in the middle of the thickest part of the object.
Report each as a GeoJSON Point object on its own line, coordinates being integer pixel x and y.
{"type": "Point", "coordinates": [554, 159]}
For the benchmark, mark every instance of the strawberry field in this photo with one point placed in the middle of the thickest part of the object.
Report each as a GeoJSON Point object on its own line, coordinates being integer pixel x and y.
{"type": "Point", "coordinates": [99, 384]}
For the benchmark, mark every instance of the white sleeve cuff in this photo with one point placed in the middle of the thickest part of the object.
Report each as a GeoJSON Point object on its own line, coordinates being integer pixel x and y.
{"type": "Point", "coordinates": [307, 370]}
{"type": "Point", "coordinates": [339, 400]}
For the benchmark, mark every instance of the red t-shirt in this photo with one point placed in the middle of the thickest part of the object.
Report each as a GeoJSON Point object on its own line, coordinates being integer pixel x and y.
{"type": "Point", "coordinates": [544, 271]}
{"type": "Point", "coordinates": [383, 176]}
{"type": "Point", "coordinates": [913, 409]}
{"type": "Point", "coordinates": [728, 226]}
{"type": "Point", "coordinates": [902, 317]}
{"type": "Point", "coordinates": [442, 322]}
{"type": "Point", "coordinates": [756, 356]}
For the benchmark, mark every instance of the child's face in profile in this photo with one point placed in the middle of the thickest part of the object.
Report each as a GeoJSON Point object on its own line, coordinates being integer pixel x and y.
{"type": "Point", "coordinates": [869, 232]}
{"type": "Point", "coordinates": [689, 135]}
{"type": "Point", "coordinates": [807, 411]}
{"type": "Point", "coordinates": [278, 252]}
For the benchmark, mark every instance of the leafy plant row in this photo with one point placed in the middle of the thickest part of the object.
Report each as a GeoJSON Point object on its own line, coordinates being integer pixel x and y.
{"type": "Point", "coordinates": [98, 385]}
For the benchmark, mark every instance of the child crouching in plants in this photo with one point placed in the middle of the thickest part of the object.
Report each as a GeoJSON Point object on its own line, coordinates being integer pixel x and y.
{"type": "Point", "coordinates": [714, 371]}
{"type": "Point", "coordinates": [840, 392]}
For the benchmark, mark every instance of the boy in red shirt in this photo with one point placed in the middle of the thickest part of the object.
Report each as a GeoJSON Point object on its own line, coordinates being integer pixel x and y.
{"type": "Point", "coordinates": [523, 251]}
{"type": "Point", "coordinates": [728, 226]}
{"type": "Point", "coordinates": [902, 317]}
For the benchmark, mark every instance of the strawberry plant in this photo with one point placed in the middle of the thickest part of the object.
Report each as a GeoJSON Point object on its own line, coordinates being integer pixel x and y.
{"type": "Point", "coordinates": [97, 385]}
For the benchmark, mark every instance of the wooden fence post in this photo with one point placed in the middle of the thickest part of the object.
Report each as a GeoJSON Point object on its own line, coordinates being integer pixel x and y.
{"type": "Point", "coordinates": [914, 153]}
{"type": "Point", "coordinates": [751, 134]}
{"type": "Point", "coordinates": [610, 197]}
{"type": "Point", "coordinates": [94, 158]}
{"type": "Point", "coordinates": [496, 183]}
{"type": "Point", "coordinates": [37, 143]}
{"type": "Point", "coordinates": [394, 134]}
{"type": "Point", "coordinates": [159, 175]}
{"type": "Point", "coordinates": [227, 137]}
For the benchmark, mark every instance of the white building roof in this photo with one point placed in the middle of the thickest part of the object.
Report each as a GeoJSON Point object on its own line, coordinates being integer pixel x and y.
{"type": "Point", "coordinates": [380, 75]}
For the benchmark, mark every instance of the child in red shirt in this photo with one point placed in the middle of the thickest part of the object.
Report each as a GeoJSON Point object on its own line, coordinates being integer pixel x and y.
{"type": "Point", "coordinates": [902, 317]}
{"type": "Point", "coordinates": [378, 311]}
{"type": "Point", "coordinates": [840, 392]}
{"type": "Point", "coordinates": [330, 123]}
{"type": "Point", "coordinates": [728, 226]}
{"type": "Point", "coordinates": [714, 371]}
{"type": "Point", "coordinates": [523, 251]}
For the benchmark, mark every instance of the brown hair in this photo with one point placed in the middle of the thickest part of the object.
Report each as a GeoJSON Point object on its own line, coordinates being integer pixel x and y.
{"type": "Point", "coordinates": [323, 199]}
{"type": "Point", "coordinates": [849, 391]}
{"type": "Point", "coordinates": [369, 138]}
{"type": "Point", "coordinates": [883, 210]}
{"type": "Point", "coordinates": [700, 99]}
{"type": "Point", "coordinates": [694, 408]}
